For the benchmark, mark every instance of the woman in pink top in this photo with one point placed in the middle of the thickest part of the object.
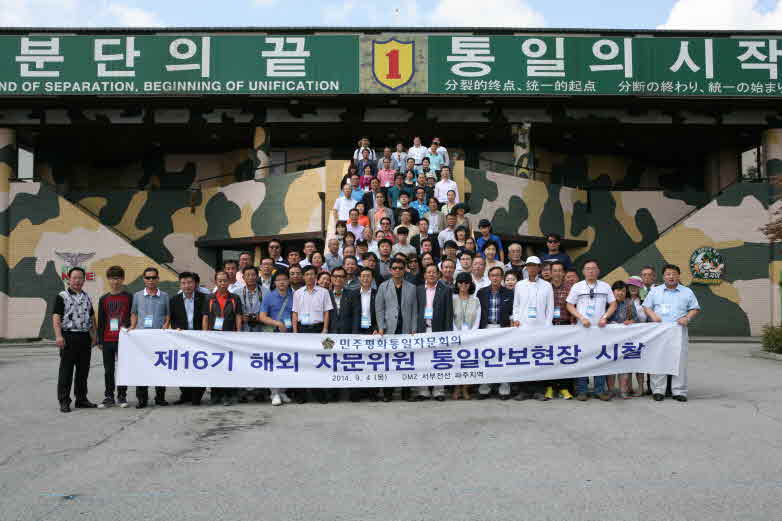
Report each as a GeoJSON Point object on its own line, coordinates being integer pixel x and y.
{"type": "Point", "coordinates": [366, 178]}
{"type": "Point", "coordinates": [386, 175]}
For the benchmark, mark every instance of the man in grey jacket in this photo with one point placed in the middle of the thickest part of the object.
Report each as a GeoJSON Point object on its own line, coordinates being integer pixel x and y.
{"type": "Point", "coordinates": [396, 308]}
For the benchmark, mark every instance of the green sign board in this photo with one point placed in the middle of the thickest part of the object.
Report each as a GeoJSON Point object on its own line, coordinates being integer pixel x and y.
{"type": "Point", "coordinates": [178, 65]}
{"type": "Point", "coordinates": [640, 66]}
{"type": "Point", "coordinates": [405, 63]}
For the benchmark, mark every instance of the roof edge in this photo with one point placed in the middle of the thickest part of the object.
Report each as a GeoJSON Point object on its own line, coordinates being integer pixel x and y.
{"type": "Point", "coordinates": [370, 30]}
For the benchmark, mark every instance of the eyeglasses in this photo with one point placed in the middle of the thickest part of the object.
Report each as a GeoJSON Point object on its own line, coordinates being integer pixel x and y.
{"type": "Point", "coordinates": [396, 268]}
{"type": "Point", "coordinates": [150, 278]}
{"type": "Point", "coordinates": [550, 241]}
{"type": "Point", "coordinates": [337, 276]}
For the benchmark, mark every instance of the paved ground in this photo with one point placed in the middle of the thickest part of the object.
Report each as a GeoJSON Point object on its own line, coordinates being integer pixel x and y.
{"type": "Point", "coordinates": [717, 457]}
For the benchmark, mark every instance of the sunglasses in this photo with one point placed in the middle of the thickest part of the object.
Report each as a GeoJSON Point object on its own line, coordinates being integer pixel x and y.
{"type": "Point", "coordinates": [150, 278]}
{"type": "Point", "coordinates": [397, 268]}
{"type": "Point", "coordinates": [591, 293]}
{"type": "Point", "coordinates": [552, 241]}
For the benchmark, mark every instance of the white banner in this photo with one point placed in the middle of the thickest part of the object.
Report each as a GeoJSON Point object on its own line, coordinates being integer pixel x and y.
{"type": "Point", "coordinates": [222, 359]}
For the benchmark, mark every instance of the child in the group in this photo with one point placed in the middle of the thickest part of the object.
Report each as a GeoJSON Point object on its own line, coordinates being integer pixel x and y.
{"type": "Point", "coordinates": [624, 314]}
{"type": "Point", "coordinates": [113, 314]}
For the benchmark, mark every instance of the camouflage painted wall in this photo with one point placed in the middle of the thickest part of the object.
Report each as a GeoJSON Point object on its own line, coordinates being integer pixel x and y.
{"type": "Point", "coordinates": [165, 223]}
{"type": "Point", "coordinates": [45, 230]}
{"type": "Point", "coordinates": [742, 303]}
{"type": "Point", "coordinates": [615, 224]}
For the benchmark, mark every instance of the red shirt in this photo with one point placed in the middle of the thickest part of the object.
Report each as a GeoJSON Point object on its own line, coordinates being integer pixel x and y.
{"type": "Point", "coordinates": [115, 306]}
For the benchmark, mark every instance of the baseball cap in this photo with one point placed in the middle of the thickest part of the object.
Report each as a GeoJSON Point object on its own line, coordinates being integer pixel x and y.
{"type": "Point", "coordinates": [533, 260]}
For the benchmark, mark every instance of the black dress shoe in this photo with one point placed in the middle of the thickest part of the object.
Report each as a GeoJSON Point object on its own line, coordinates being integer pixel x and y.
{"type": "Point", "coordinates": [141, 405]}
{"type": "Point", "coordinates": [482, 396]}
{"type": "Point", "coordinates": [658, 397]}
{"type": "Point", "coordinates": [680, 398]}
{"type": "Point", "coordinates": [65, 407]}
{"type": "Point", "coordinates": [181, 401]}
{"type": "Point", "coordinates": [161, 403]}
{"type": "Point", "coordinates": [440, 398]}
{"type": "Point", "coordinates": [505, 397]}
{"type": "Point", "coordinates": [85, 404]}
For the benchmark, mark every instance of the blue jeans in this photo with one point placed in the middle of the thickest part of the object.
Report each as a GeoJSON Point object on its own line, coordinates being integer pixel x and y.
{"type": "Point", "coordinates": [583, 383]}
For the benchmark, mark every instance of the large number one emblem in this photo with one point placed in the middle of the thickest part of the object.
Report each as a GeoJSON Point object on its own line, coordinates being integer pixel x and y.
{"type": "Point", "coordinates": [393, 62]}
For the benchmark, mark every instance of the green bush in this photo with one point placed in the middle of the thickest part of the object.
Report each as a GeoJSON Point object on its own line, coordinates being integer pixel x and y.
{"type": "Point", "coordinates": [772, 339]}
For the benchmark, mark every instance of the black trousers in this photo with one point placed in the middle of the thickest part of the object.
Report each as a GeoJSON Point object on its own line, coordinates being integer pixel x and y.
{"type": "Point", "coordinates": [192, 394]}
{"type": "Point", "coordinates": [318, 394]}
{"type": "Point", "coordinates": [74, 356]}
{"type": "Point", "coordinates": [109, 365]}
{"type": "Point", "coordinates": [142, 394]}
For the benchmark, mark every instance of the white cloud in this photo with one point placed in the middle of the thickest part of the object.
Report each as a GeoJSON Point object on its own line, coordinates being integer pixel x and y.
{"type": "Point", "coordinates": [454, 13]}
{"type": "Point", "coordinates": [128, 16]}
{"type": "Point", "coordinates": [486, 13]}
{"type": "Point", "coordinates": [74, 13]}
{"type": "Point", "coordinates": [724, 14]}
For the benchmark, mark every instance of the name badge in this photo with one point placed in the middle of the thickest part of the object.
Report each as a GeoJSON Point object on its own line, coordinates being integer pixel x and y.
{"type": "Point", "coordinates": [366, 323]}
{"type": "Point", "coordinates": [218, 324]}
{"type": "Point", "coordinates": [306, 320]}
{"type": "Point", "coordinates": [428, 313]}
{"type": "Point", "coordinates": [114, 324]}
{"type": "Point", "coordinates": [287, 323]}
{"type": "Point", "coordinates": [556, 312]}
{"type": "Point", "coordinates": [591, 310]}
{"type": "Point", "coordinates": [148, 321]}
{"type": "Point", "coordinates": [532, 312]}
{"type": "Point", "coordinates": [388, 184]}
{"type": "Point", "coordinates": [665, 308]}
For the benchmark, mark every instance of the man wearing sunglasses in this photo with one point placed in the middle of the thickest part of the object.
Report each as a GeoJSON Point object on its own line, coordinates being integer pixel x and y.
{"type": "Point", "coordinates": [150, 310]}
{"type": "Point", "coordinates": [591, 302]}
{"type": "Point", "coordinates": [554, 253]}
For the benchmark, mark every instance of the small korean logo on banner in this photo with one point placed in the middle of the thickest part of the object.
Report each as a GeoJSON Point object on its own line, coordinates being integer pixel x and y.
{"type": "Point", "coordinates": [393, 62]}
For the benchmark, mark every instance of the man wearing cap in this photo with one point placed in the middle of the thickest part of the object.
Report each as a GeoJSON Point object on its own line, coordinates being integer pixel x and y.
{"type": "Point", "coordinates": [484, 226]}
{"type": "Point", "coordinates": [533, 307]}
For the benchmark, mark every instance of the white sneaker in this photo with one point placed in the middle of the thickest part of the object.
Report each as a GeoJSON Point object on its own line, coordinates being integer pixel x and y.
{"type": "Point", "coordinates": [276, 400]}
{"type": "Point", "coordinates": [484, 389]}
{"type": "Point", "coordinates": [505, 389]}
{"type": "Point", "coordinates": [285, 398]}
{"type": "Point", "coordinates": [123, 405]}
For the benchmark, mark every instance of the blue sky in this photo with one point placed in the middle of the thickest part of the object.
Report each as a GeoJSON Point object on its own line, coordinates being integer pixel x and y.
{"type": "Point", "coordinates": [642, 14]}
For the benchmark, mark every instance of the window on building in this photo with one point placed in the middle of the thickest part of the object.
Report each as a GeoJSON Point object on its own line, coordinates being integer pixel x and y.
{"type": "Point", "coordinates": [752, 165]}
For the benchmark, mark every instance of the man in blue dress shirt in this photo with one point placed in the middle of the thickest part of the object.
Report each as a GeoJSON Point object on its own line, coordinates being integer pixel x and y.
{"type": "Point", "coordinates": [672, 302]}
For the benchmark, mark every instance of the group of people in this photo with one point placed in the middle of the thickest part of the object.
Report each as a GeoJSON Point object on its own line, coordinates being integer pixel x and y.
{"type": "Point", "coordinates": [404, 258]}
{"type": "Point", "coordinates": [396, 293]}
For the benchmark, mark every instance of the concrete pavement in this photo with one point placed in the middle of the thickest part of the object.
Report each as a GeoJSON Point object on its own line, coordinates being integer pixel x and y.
{"type": "Point", "coordinates": [717, 457]}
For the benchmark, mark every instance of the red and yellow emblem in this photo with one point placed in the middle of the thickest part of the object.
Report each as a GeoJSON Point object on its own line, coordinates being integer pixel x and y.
{"type": "Point", "coordinates": [393, 62]}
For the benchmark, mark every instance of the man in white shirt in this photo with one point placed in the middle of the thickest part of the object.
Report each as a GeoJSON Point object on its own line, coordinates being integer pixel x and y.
{"type": "Point", "coordinates": [359, 152]}
{"type": "Point", "coordinates": [344, 204]}
{"type": "Point", "coordinates": [444, 184]}
{"type": "Point", "coordinates": [309, 248]}
{"type": "Point", "coordinates": [353, 227]}
{"type": "Point", "coordinates": [591, 302]}
{"type": "Point", "coordinates": [417, 152]}
{"type": "Point", "coordinates": [533, 306]}
{"type": "Point", "coordinates": [310, 314]}
{"type": "Point", "coordinates": [533, 299]}
{"type": "Point", "coordinates": [479, 273]}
